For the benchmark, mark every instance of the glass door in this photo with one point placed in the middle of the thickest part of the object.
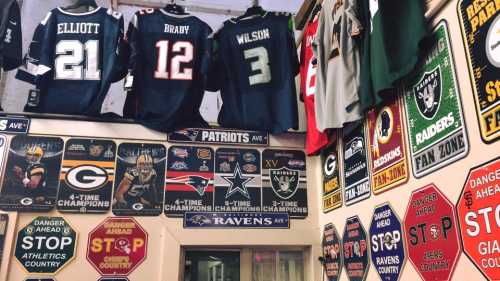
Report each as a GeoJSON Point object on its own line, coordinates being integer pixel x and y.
{"type": "Point", "coordinates": [212, 266]}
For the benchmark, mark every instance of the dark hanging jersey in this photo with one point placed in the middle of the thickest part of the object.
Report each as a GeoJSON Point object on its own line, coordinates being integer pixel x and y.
{"type": "Point", "coordinates": [168, 66]}
{"type": "Point", "coordinates": [10, 35]}
{"type": "Point", "coordinates": [256, 64]}
{"type": "Point", "coordinates": [73, 59]}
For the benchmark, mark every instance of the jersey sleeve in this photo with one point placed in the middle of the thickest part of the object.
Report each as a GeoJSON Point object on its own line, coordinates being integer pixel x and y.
{"type": "Point", "coordinates": [28, 71]}
{"type": "Point", "coordinates": [294, 59]}
{"type": "Point", "coordinates": [12, 45]}
{"type": "Point", "coordinates": [122, 50]}
{"type": "Point", "coordinates": [216, 69]}
{"type": "Point", "coordinates": [352, 13]}
{"type": "Point", "coordinates": [133, 50]}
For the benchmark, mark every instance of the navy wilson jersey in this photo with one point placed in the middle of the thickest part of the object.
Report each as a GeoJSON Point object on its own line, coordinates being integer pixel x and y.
{"type": "Point", "coordinates": [73, 59]}
{"type": "Point", "coordinates": [256, 64]}
{"type": "Point", "coordinates": [168, 65]}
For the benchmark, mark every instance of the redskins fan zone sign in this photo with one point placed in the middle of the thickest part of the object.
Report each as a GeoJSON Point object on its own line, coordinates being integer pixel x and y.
{"type": "Point", "coordinates": [355, 249]}
{"type": "Point", "coordinates": [332, 192]}
{"type": "Point", "coordinates": [480, 24]}
{"type": "Point", "coordinates": [87, 175]}
{"type": "Point", "coordinates": [332, 253]}
{"type": "Point", "coordinates": [436, 127]}
{"type": "Point", "coordinates": [478, 211]}
{"type": "Point", "coordinates": [386, 145]}
{"type": "Point", "coordinates": [31, 174]}
{"type": "Point", "coordinates": [117, 246]}
{"type": "Point", "coordinates": [431, 234]}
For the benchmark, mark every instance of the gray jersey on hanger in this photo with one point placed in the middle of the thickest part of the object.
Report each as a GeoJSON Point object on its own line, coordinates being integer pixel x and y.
{"type": "Point", "coordinates": [338, 74]}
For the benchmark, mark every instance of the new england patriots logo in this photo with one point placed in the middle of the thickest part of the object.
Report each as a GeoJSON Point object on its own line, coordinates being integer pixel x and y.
{"type": "Point", "coordinates": [199, 184]}
{"type": "Point", "coordinates": [190, 134]}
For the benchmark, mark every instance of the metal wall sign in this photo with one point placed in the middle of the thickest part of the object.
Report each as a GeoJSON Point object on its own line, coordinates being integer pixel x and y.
{"type": "Point", "coordinates": [284, 182]}
{"type": "Point", "coordinates": [189, 186]}
{"type": "Point", "coordinates": [3, 150]}
{"type": "Point", "coordinates": [140, 179]}
{"type": "Point", "coordinates": [236, 220]}
{"type": "Point", "coordinates": [46, 245]}
{"type": "Point", "coordinates": [14, 125]}
{"type": "Point", "coordinates": [356, 174]}
{"type": "Point", "coordinates": [332, 253]}
{"type": "Point", "coordinates": [238, 181]}
{"type": "Point", "coordinates": [355, 251]}
{"type": "Point", "coordinates": [113, 279]}
{"type": "Point", "coordinates": [478, 212]}
{"type": "Point", "coordinates": [386, 241]}
{"type": "Point", "coordinates": [4, 224]}
{"type": "Point", "coordinates": [480, 24]}
{"type": "Point", "coordinates": [388, 161]}
{"type": "Point", "coordinates": [32, 174]}
{"type": "Point", "coordinates": [431, 234]}
{"type": "Point", "coordinates": [436, 126]}
{"type": "Point", "coordinates": [117, 246]}
{"type": "Point", "coordinates": [219, 136]}
{"type": "Point", "coordinates": [332, 192]}
{"type": "Point", "coordinates": [87, 175]}
{"type": "Point", "coordinates": [39, 279]}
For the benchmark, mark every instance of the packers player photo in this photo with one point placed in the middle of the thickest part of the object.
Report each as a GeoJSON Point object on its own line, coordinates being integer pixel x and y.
{"type": "Point", "coordinates": [139, 188]}
{"type": "Point", "coordinates": [32, 173]}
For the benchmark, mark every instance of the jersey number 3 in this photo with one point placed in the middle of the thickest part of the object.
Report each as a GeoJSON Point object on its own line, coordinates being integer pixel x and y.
{"type": "Point", "coordinates": [259, 62]}
{"type": "Point", "coordinates": [185, 55]}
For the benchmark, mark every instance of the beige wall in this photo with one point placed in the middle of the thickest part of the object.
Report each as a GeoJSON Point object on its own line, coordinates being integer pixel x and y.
{"type": "Point", "coordinates": [450, 179]}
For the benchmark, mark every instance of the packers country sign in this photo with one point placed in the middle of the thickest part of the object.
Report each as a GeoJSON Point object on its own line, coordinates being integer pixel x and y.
{"type": "Point", "coordinates": [117, 246]}
{"type": "Point", "coordinates": [431, 234]}
{"type": "Point", "coordinates": [332, 253]}
{"type": "Point", "coordinates": [480, 23]}
{"type": "Point", "coordinates": [386, 145]}
{"type": "Point", "coordinates": [45, 245]}
{"type": "Point", "coordinates": [332, 192]}
{"type": "Point", "coordinates": [436, 128]}
{"type": "Point", "coordinates": [478, 211]}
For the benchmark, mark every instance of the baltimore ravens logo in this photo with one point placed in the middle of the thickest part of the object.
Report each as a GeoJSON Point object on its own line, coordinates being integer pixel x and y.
{"type": "Point", "coordinates": [428, 93]}
{"type": "Point", "coordinates": [285, 182]}
{"type": "Point", "coordinates": [200, 220]}
{"type": "Point", "coordinates": [199, 184]}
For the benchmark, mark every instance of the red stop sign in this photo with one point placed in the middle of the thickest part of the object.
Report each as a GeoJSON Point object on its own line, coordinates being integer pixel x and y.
{"type": "Point", "coordinates": [478, 211]}
{"type": "Point", "coordinates": [431, 234]}
{"type": "Point", "coordinates": [117, 246]}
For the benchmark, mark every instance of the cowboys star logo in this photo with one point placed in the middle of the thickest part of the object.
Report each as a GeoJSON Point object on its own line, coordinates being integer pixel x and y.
{"type": "Point", "coordinates": [428, 93]}
{"type": "Point", "coordinates": [237, 183]}
{"type": "Point", "coordinates": [285, 182]}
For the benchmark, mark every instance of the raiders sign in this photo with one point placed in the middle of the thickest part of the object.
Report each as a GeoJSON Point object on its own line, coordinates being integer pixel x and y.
{"type": "Point", "coordinates": [332, 192]}
{"type": "Point", "coordinates": [189, 186]}
{"type": "Point", "coordinates": [480, 24]}
{"type": "Point", "coordinates": [31, 174]}
{"type": "Point", "coordinates": [139, 187]}
{"type": "Point", "coordinates": [436, 127]}
{"type": "Point", "coordinates": [87, 175]}
{"type": "Point", "coordinates": [284, 182]}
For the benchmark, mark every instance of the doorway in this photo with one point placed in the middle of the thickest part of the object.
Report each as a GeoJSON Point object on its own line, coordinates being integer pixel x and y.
{"type": "Point", "coordinates": [212, 266]}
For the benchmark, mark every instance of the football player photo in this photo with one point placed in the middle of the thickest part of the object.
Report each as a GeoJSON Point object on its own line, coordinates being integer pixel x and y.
{"type": "Point", "coordinates": [139, 189]}
{"type": "Point", "coordinates": [31, 174]}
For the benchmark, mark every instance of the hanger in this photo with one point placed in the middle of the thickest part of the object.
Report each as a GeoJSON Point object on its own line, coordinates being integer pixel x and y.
{"type": "Point", "coordinates": [254, 10]}
{"type": "Point", "coordinates": [82, 3]}
{"type": "Point", "coordinates": [173, 8]}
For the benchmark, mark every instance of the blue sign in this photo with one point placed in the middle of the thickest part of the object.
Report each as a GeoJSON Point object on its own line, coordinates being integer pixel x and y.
{"type": "Point", "coordinates": [14, 125]}
{"type": "Point", "coordinates": [219, 136]}
{"type": "Point", "coordinates": [39, 279]}
{"type": "Point", "coordinates": [236, 220]}
{"type": "Point", "coordinates": [113, 279]}
{"type": "Point", "coordinates": [388, 253]}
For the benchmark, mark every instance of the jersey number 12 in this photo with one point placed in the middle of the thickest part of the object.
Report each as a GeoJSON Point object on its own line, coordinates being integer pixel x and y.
{"type": "Point", "coordinates": [185, 55]}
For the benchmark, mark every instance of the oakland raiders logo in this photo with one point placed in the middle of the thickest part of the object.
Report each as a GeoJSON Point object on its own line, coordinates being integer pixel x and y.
{"type": "Point", "coordinates": [285, 182]}
{"type": "Point", "coordinates": [428, 93]}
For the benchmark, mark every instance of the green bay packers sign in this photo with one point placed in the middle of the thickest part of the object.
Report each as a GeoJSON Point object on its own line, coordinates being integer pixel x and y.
{"type": "Point", "coordinates": [87, 176]}
{"type": "Point", "coordinates": [45, 245]}
{"type": "Point", "coordinates": [436, 127]}
{"type": "Point", "coordinates": [31, 174]}
{"type": "Point", "coordinates": [388, 162]}
{"type": "Point", "coordinates": [332, 193]}
{"type": "Point", "coordinates": [480, 23]}
{"type": "Point", "coordinates": [356, 172]}
{"type": "Point", "coordinates": [284, 185]}
{"type": "Point", "coordinates": [140, 171]}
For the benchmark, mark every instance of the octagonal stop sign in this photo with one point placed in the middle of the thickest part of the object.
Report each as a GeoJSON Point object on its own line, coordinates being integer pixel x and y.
{"type": "Point", "coordinates": [478, 211]}
{"type": "Point", "coordinates": [431, 234]}
{"type": "Point", "coordinates": [355, 250]}
{"type": "Point", "coordinates": [117, 246]}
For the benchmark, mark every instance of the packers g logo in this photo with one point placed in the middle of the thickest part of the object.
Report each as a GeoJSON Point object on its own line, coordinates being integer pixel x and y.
{"type": "Point", "coordinates": [86, 177]}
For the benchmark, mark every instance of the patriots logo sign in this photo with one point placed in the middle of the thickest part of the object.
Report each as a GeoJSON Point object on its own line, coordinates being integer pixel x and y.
{"type": "Point", "coordinates": [190, 134]}
{"type": "Point", "coordinates": [285, 182]}
{"type": "Point", "coordinates": [428, 93]}
{"type": "Point", "coordinates": [199, 184]}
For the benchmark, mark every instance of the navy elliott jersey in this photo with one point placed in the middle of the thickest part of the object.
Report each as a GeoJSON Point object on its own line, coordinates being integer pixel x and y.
{"type": "Point", "coordinates": [256, 64]}
{"type": "Point", "coordinates": [10, 35]}
{"type": "Point", "coordinates": [73, 59]}
{"type": "Point", "coordinates": [168, 65]}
